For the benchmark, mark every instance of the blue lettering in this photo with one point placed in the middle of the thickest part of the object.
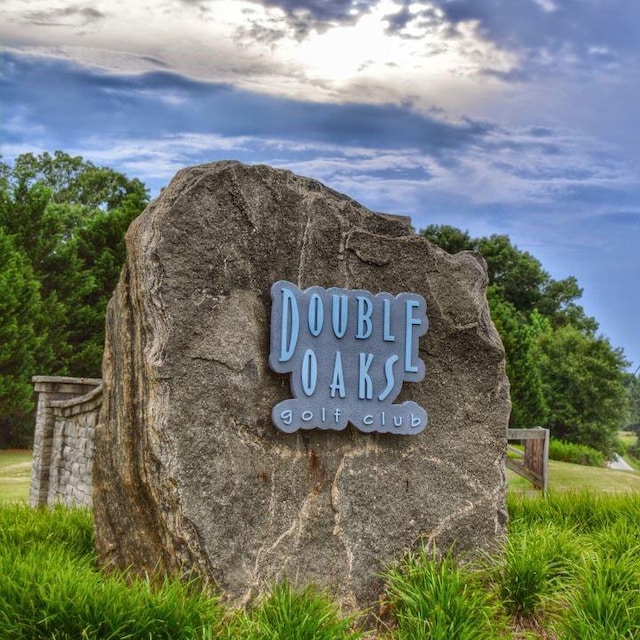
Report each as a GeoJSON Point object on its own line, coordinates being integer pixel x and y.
{"type": "Point", "coordinates": [315, 315]}
{"type": "Point", "coordinates": [337, 381]}
{"type": "Point", "coordinates": [386, 324]}
{"type": "Point", "coordinates": [365, 384]}
{"type": "Point", "coordinates": [339, 314]}
{"type": "Point", "coordinates": [388, 374]}
{"type": "Point", "coordinates": [309, 372]}
{"type": "Point", "coordinates": [289, 329]}
{"type": "Point", "coordinates": [365, 309]}
{"type": "Point", "coordinates": [410, 322]}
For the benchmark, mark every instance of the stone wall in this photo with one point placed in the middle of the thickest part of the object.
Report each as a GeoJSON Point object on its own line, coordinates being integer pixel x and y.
{"type": "Point", "coordinates": [66, 416]}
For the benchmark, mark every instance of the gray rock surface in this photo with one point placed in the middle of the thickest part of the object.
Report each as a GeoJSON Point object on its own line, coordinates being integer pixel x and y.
{"type": "Point", "coordinates": [190, 474]}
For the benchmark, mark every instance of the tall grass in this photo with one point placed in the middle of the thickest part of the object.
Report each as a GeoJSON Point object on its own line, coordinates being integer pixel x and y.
{"type": "Point", "coordinates": [605, 601]}
{"type": "Point", "coordinates": [289, 612]}
{"type": "Point", "coordinates": [50, 588]}
{"type": "Point", "coordinates": [436, 599]}
{"type": "Point", "coordinates": [536, 562]}
{"type": "Point", "coordinates": [570, 570]}
{"type": "Point", "coordinates": [586, 512]}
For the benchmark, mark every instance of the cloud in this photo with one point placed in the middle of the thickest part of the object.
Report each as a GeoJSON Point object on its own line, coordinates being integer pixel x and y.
{"type": "Point", "coordinates": [376, 52]}
{"type": "Point", "coordinates": [68, 16]}
{"type": "Point", "coordinates": [305, 15]}
{"type": "Point", "coordinates": [68, 98]}
{"type": "Point", "coordinates": [548, 6]}
{"type": "Point", "coordinates": [392, 153]}
{"type": "Point", "coordinates": [547, 25]}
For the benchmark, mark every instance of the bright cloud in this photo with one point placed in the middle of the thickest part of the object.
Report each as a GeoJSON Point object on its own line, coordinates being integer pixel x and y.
{"type": "Point", "coordinates": [374, 58]}
{"type": "Point", "coordinates": [495, 116]}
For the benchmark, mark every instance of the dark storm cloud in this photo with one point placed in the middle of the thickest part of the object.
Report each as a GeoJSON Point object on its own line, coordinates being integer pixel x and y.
{"type": "Point", "coordinates": [68, 100]}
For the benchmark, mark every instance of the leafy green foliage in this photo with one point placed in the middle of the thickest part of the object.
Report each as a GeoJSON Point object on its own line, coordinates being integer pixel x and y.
{"type": "Point", "coordinates": [66, 218]}
{"type": "Point", "coordinates": [21, 317]}
{"type": "Point", "coordinates": [520, 337]}
{"type": "Point", "coordinates": [632, 428]}
{"type": "Point", "coordinates": [575, 453]}
{"type": "Point", "coordinates": [583, 384]}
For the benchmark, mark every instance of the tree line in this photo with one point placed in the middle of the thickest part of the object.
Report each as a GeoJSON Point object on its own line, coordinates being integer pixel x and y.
{"type": "Point", "coordinates": [62, 226]}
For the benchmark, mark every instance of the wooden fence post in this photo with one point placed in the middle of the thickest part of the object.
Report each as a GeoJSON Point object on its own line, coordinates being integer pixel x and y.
{"type": "Point", "coordinates": [535, 466]}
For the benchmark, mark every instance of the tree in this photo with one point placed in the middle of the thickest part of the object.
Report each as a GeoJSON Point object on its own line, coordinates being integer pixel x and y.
{"type": "Point", "coordinates": [520, 337]}
{"type": "Point", "coordinates": [73, 180]}
{"type": "Point", "coordinates": [583, 380]}
{"type": "Point", "coordinates": [632, 384]}
{"type": "Point", "coordinates": [449, 238]}
{"type": "Point", "coordinates": [20, 344]}
{"type": "Point", "coordinates": [67, 217]}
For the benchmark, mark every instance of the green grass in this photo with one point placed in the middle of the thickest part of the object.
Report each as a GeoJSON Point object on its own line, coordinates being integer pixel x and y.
{"type": "Point", "coordinates": [438, 599]}
{"type": "Point", "coordinates": [15, 475]}
{"type": "Point", "coordinates": [570, 570]}
{"type": "Point", "coordinates": [564, 476]}
{"type": "Point", "coordinates": [50, 587]}
{"type": "Point", "coordinates": [629, 439]}
{"type": "Point", "coordinates": [290, 612]}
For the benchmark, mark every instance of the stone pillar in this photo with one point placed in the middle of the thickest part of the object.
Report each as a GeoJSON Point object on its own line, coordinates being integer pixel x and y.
{"type": "Point", "coordinates": [70, 477]}
{"type": "Point", "coordinates": [50, 389]}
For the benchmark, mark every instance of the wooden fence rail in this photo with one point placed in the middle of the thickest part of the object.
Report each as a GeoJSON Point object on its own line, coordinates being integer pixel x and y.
{"type": "Point", "coordinates": [535, 466]}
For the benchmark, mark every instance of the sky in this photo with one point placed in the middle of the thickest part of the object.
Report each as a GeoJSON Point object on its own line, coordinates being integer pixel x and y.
{"type": "Point", "coordinates": [512, 117]}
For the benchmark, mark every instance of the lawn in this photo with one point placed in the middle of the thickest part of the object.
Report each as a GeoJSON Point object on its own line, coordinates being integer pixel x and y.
{"type": "Point", "coordinates": [15, 475]}
{"type": "Point", "coordinates": [564, 476]}
{"type": "Point", "coordinates": [628, 439]}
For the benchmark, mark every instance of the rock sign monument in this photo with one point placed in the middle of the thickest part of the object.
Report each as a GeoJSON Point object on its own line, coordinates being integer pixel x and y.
{"type": "Point", "coordinates": [294, 385]}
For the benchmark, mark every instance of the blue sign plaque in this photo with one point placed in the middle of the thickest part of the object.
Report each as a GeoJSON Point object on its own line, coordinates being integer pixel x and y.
{"type": "Point", "coordinates": [348, 353]}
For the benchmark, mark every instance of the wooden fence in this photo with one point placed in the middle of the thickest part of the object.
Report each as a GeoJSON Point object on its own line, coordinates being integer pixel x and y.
{"type": "Point", "coordinates": [535, 464]}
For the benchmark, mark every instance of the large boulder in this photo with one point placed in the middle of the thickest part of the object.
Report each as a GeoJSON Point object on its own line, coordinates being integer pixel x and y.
{"type": "Point", "coordinates": [192, 476]}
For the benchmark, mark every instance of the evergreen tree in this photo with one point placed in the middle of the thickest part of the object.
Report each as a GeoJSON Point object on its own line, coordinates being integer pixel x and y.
{"type": "Point", "coordinates": [20, 344]}
{"type": "Point", "coordinates": [66, 219]}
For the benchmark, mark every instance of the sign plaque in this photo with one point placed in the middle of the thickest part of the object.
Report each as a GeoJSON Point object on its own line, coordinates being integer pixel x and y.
{"type": "Point", "coordinates": [348, 353]}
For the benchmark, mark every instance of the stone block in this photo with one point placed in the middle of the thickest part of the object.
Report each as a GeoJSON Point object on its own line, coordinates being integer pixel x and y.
{"type": "Point", "coordinates": [191, 474]}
